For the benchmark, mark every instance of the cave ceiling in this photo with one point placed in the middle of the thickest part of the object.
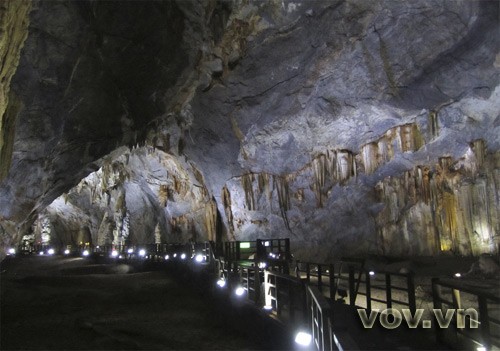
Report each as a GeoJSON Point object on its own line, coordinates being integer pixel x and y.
{"type": "Point", "coordinates": [369, 126]}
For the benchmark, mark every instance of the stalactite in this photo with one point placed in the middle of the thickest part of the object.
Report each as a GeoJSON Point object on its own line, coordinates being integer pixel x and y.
{"type": "Point", "coordinates": [433, 123]}
{"type": "Point", "coordinates": [210, 220]}
{"type": "Point", "coordinates": [451, 210]}
{"type": "Point", "coordinates": [346, 166]}
{"type": "Point", "coordinates": [410, 138]}
{"type": "Point", "coordinates": [163, 195]}
{"type": "Point", "coordinates": [247, 185]}
{"type": "Point", "coordinates": [320, 169]}
{"type": "Point", "coordinates": [406, 137]}
{"type": "Point", "coordinates": [263, 180]}
{"type": "Point", "coordinates": [370, 157]}
{"type": "Point", "coordinates": [226, 201]}
{"type": "Point", "coordinates": [157, 234]}
{"type": "Point", "coordinates": [282, 189]}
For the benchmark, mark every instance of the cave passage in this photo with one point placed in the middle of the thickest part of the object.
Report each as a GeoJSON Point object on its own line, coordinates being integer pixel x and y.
{"type": "Point", "coordinates": [56, 303]}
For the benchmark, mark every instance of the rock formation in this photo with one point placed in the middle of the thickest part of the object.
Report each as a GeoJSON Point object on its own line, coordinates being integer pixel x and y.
{"type": "Point", "coordinates": [349, 126]}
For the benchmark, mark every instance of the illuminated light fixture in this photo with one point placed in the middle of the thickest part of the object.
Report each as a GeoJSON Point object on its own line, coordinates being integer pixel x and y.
{"type": "Point", "coordinates": [11, 251]}
{"type": "Point", "coordinates": [130, 251]}
{"type": "Point", "coordinates": [41, 253]}
{"type": "Point", "coordinates": [142, 253]}
{"type": "Point", "coordinates": [175, 255]}
{"type": "Point", "coordinates": [481, 348]}
{"type": "Point", "coordinates": [85, 253]}
{"type": "Point", "coordinates": [272, 255]}
{"type": "Point", "coordinates": [167, 257]}
{"type": "Point", "coordinates": [221, 283]}
{"type": "Point", "coordinates": [262, 265]}
{"type": "Point", "coordinates": [97, 247]}
{"type": "Point", "coordinates": [66, 252]}
{"type": "Point", "coordinates": [245, 245]}
{"type": "Point", "coordinates": [268, 307]}
{"type": "Point", "coordinates": [372, 273]}
{"type": "Point", "coordinates": [458, 275]}
{"type": "Point", "coordinates": [239, 291]}
{"type": "Point", "coordinates": [303, 339]}
{"type": "Point", "coordinates": [183, 256]}
{"type": "Point", "coordinates": [199, 258]}
{"type": "Point", "coordinates": [267, 243]}
{"type": "Point", "coordinates": [51, 251]}
{"type": "Point", "coordinates": [114, 253]}
{"type": "Point", "coordinates": [120, 256]}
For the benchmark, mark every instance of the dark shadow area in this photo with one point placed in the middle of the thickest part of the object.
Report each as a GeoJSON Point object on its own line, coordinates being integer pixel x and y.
{"type": "Point", "coordinates": [52, 303]}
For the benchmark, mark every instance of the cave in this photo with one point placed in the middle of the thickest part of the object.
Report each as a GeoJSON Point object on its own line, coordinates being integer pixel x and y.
{"type": "Point", "coordinates": [351, 130]}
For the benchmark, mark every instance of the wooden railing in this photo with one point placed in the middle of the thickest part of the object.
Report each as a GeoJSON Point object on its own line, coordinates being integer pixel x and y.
{"type": "Point", "coordinates": [476, 321]}
{"type": "Point", "coordinates": [334, 281]}
{"type": "Point", "coordinates": [306, 298]}
{"type": "Point", "coordinates": [249, 278]}
{"type": "Point", "coordinates": [383, 289]}
{"type": "Point", "coordinates": [285, 297]}
{"type": "Point", "coordinates": [260, 249]}
{"type": "Point", "coordinates": [319, 319]}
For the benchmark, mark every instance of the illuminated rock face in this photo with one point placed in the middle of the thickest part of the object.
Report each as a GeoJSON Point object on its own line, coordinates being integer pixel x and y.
{"type": "Point", "coordinates": [143, 196]}
{"type": "Point", "coordinates": [351, 127]}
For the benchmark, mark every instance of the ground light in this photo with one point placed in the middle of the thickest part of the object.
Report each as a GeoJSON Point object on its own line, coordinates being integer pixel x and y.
{"type": "Point", "coordinates": [372, 273]}
{"type": "Point", "coordinates": [183, 256]}
{"type": "Point", "coordinates": [114, 253]}
{"type": "Point", "coordinates": [458, 275]}
{"type": "Point", "coordinates": [303, 338]}
{"type": "Point", "coordinates": [66, 252]}
{"type": "Point", "coordinates": [239, 291]}
{"type": "Point", "coordinates": [221, 282]}
{"type": "Point", "coordinates": [41, 253]}
{"type": "Point", "coordinates": [130, 251]}
{"type": "Point", "coordinates": [167, 257]}
{"type": "Point", "coordinates": [268, 308]}
{"type": "Point", "coordinates": [51, 251]}
{"type": "Point", "coordinates": [11, 251]}
{"type": "Point", "coordinates": [85, 253]}
{"type": "Point", "coordinates": [142, 253]}
{"type": "Point", "coordinates": [262, 265]}
{"type": "Point", "coordinates": [199, 258]}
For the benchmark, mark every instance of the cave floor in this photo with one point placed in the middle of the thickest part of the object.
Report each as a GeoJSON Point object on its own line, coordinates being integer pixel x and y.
{"type": "Point", "coordinates": [51, 303]}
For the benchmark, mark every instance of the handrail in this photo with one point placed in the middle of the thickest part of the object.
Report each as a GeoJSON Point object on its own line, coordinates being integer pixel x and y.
{"type": "Point", "coordinates": [319, 319]}
{"type": "Point", "coordinates": [387, 284]}
{"type": "Point", "coordinates": [285, 296]}
{"type": "Point", "coordinates": [474, 334]}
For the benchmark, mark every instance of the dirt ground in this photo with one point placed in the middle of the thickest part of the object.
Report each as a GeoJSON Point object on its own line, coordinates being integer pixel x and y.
{"type": "Point", "coordinates": [51, 303]}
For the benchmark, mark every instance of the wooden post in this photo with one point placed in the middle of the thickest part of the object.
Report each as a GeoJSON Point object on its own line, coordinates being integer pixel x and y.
{"type": "Point", "coordinates": [320, 279]}
{"type": "Point", "coordinates": [331, 282]}
{"type": "Point", "coordinates": [411, 292]}
{"type": "Point", "coordinates": [352, 291]}
{"type": "Point", "coordinates": [256, 284]}
{"type": "Point", "coordinates": [368, 290]}
{"type": "Point", "coordinates": [485, 321]}
{"type": "Point", "coordinates": [308, 272]}
{"type": "Point", "coordinates": [388, 290]}
{"type": "Point", "coordinates": [436, 298]}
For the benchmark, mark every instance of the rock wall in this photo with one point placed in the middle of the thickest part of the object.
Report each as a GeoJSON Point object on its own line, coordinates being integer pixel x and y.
{"type": "Point", "coordinates": [367, 127]}
{"type": "Point", "coordinates": [14, 20]}
{"type": "Point", "coordinates": [143, 196]}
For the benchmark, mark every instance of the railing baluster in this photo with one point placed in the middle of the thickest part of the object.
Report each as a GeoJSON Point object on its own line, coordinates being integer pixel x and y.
{"type": "Point", "coordinates": [388, 290]}
{"type": "Point", "coordinates": [485, 322]}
